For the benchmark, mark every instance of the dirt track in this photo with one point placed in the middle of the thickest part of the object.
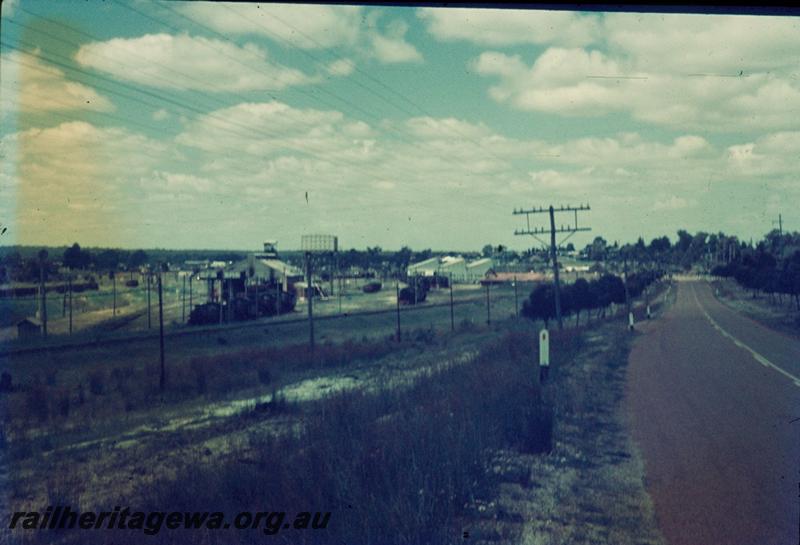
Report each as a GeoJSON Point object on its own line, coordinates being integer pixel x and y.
{"type": "Point", "coordinates": [713, 399]}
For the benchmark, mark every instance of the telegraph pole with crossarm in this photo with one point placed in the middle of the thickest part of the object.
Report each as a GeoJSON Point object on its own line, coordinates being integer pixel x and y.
{"type": "Point", "coordinates": [571, 229]}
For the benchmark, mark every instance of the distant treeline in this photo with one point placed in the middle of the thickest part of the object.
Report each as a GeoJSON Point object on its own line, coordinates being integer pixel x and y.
{"type": "Point", "coordinates": [700, 251]}
{"type": "Point", "coordinates": [772, 267]}
{"type": "Point", "coordinates": [22, 264]}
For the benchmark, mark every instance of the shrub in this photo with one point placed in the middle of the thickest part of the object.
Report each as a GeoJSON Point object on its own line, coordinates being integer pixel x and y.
{"type": "Point", "coordinates": [5, 382]}
{"type": "Point", "coordinates": [97, 382]}
{"type": "Point", "coordinates": [397, 466]}
{"type": "Point", "coordinates": [63, 404]}
{"type": "Point", "coordinates": [37, 402]}
{"type": "Point", "coordinates": [264, 375]}
{"type": "Point", "coordinates": [121, 376]}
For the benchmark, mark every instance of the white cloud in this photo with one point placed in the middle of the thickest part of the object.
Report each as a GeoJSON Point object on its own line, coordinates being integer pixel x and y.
{"type": "Point", "coordinates": [771, 155]}
{"type": "Point", "coordinates": [709, 44]}
{"type": "Point", "coordinates": [28, 84]}
{"type": "Point", "coordinates": [391, 46]}
{"type": "Point", "coordinates": [277, 128]}
{"type": "Point", "coordinates": [673, 203]}
{"type": "Point", "coordinates": [303, 26]}
{"type": "Point", "coordinates": [496, 27]}
{"type": "Point", "coordinates": [160, 115]}
{"type": "Point", "coordinates": [341, 67]}
{"type": "Point", "coordinates": [577, 82]}
{"type": "Point", "coordinates": [189, 62]}
{"type": "Point", "coordinates": [686, 71]}
{"type": "Point", "coordinates": [171, 182]}
{"type": "Point", "coordinates": [312, 27]}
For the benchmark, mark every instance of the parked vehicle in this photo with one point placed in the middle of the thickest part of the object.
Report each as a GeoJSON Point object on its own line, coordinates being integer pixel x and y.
{"type": "Point", "coordinates": [410, 296]}
{"type": "Point", "coordinates": [372, 287]}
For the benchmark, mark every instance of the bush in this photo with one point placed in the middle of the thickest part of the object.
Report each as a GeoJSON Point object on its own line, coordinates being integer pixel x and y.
{"type": "Point", "coordinates": [97, 382]}
{"type": "Point", "coordinates": [6, 384]}
{"type": "Point", "coordinates": [37, 402]}
{"type": "Point", "coordinates": [121, 376]}
{"type": "Point", "coordinates": [63, 404]}
{"type": "Point", "coordinates": [264, 376]}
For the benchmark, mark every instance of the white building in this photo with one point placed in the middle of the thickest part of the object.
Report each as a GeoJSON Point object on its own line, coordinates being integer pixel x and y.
{"type": "Point", "coordinates": [454, 267]}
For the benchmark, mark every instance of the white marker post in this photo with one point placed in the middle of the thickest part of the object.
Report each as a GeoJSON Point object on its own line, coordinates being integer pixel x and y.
{"type": "Point", "coordinates": [544, 354]}
{"type": "Point", "coordinates": [630, 321]}
{"type": "Point", "coordinates": [648, 312]}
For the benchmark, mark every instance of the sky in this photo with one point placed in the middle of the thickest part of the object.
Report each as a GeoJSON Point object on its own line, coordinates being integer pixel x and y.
{"type": "Point", "coordinates": [214, 125]}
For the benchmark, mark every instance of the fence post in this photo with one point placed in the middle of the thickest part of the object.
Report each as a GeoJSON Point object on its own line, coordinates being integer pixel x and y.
{"type": "Point", "coordinates": [452, 315]}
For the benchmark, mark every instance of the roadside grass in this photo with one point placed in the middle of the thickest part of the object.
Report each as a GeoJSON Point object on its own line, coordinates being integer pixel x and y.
{"type": "Point", "coordinates": [58, 401]}
{"type": "Point", "coordinates": [396, 466]}
{"type": "Point", "coordinates": [776, 311]}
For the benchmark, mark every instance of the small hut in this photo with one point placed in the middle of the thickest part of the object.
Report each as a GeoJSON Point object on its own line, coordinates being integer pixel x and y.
{"type": "Point", "coordinates": [29, 328]}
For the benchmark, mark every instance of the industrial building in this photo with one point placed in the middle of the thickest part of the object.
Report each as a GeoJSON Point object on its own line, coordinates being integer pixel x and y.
{"type": "Point", "coordinates": [455, 267]}
{"type": "Point", "coordinates": [259, 285]}
{"type": "Point", "coordinates": [265, 268]}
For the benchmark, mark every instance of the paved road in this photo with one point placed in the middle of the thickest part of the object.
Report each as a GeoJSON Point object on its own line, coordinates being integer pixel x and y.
{"type": "Point", "coordinates": [712, 397]}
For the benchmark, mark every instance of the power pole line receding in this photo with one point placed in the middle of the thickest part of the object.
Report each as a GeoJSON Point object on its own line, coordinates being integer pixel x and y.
{"type": "Point", "coordinates": [552, 231]}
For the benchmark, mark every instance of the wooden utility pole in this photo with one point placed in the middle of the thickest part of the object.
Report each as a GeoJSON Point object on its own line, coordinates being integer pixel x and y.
{"type": "Point", "coordinates": [219, 299]}
{"type": "Point", "coordinates": [114, 291]}
{"type": "Point", "coordinates": [255, 288]}
{"type": "Point", "coordinates": [277, 297]}
{"type": "Point", "coordinates": [571, 230]}
{"type": "Point", "coordinates": [149, 314]}
{"type": "Point", "coordinates": [69, 283]}
{"type": "Point", "coordinates": [554, 256]}
{"type": "Point", "coordinates": [43, 292]}
{"type": "Point", "coordinates": [339, 283]}
{"type": "Point", "coordinates": [190, 292]}
{"type": "Point", "coordinates": [162, 382]}
{"type": "Point", "coordinates": [320, 245]}
{"type": "Point", "coordinates": [516, 298]}
{"type": "Point", "coordinates": [183, 301]}
{"type": "Point", "coordinates": [331, 263]}
{"type": "Point", "coordinates": [452, 315]}
{"type": "Point", "coordinates": [397, 290]}
{"type": "Point", "coordinates": [230, 301]}
{"type": "Point", "coordinates": [780, 224]}
{"type": "Point", "coordinates": [488, 307]}
{"type": "Point", "coordinates": [310, 297]}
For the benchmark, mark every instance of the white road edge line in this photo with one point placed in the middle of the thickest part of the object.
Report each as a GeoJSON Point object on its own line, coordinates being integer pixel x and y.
{"type": "Point", "coordinates": [758, 357]}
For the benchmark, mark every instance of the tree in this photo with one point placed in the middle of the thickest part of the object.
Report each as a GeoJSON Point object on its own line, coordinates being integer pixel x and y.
{"type": "Point", "coordinates": [75, 258]}
{"type": "Point", "coordinates": [541, 304]}
{"type": "Point", "coordinates": [107, 259]}
{"type": "Point", "coordinates": [684, 241]}
{"type": "Point", "coordinates": [402, 257]}
{"type": "Point", "coordinates": [659, 245]}
{"type": "Point", "coordinates": [137, 259]}
{"type": "Point", "coordinates": [598, 249]}
{"type": "Point", "coordinates": [487, 251]}
{"type": "Point", "coordinates": [608, 289]}
{"type": "Point", "coordinates": [581, 297]}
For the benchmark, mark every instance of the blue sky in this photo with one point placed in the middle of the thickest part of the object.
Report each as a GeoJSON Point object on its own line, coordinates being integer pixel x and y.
{"type": "Point", "coordinates": [202, 125]}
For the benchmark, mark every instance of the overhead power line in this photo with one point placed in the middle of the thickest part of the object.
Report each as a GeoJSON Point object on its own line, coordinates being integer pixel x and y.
{"type": "Point", "coordinates": [551, 210]}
